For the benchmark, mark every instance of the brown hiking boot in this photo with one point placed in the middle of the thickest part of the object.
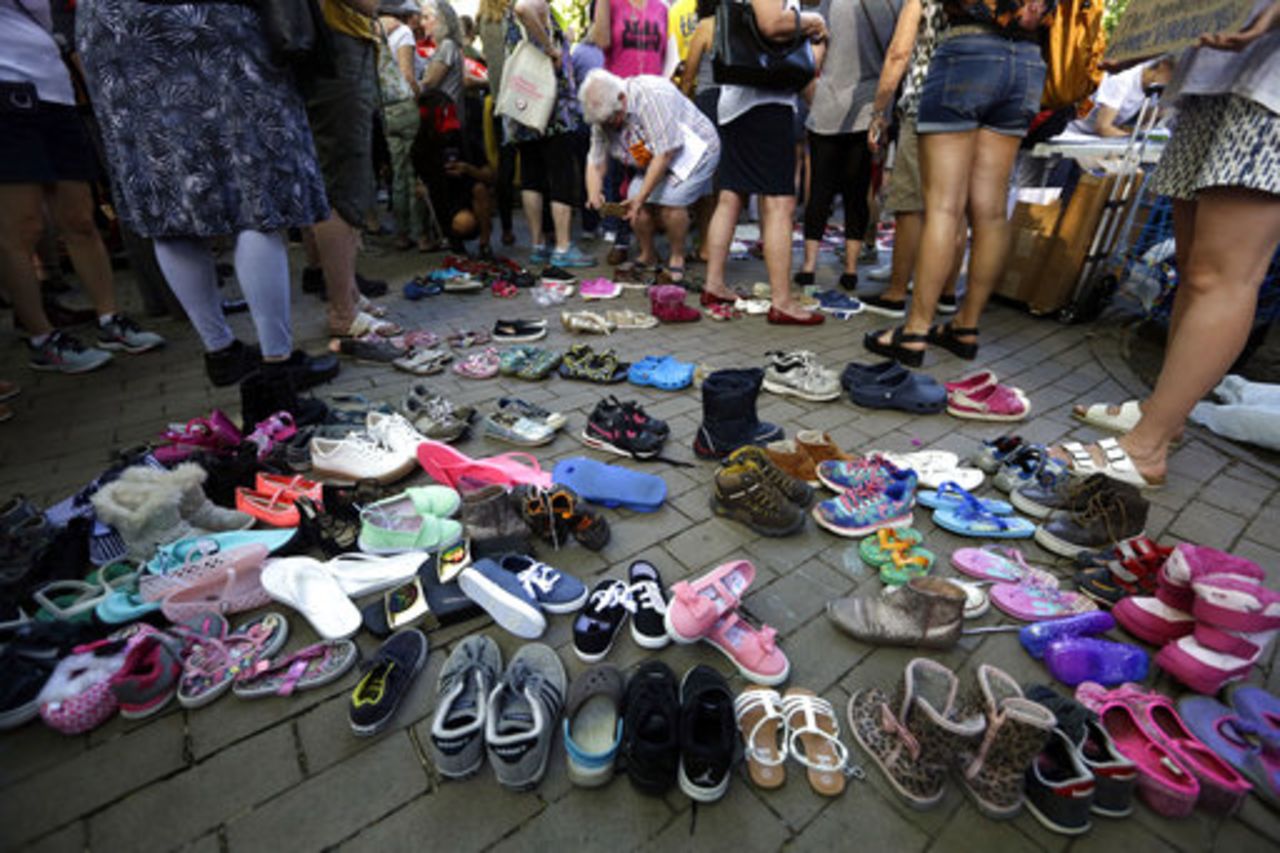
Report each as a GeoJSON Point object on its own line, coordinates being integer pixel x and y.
{"type": "Point", "coordinates": [914, 734]}
{"type": "Point", "coordinates": [992, 771]}
{"type": "Point", "coordinates": [1112, 511]}
{"type": "Point", "coordinates": [793, 461]}
{"type": "Point", "coordinates": [743, 492]}
{"type": "Point", "coordinates": [798, 492]}
{"type": "Point", "coordinates": [925, 612]}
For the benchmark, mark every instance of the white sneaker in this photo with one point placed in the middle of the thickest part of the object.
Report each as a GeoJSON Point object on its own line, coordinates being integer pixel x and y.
{"type": "Point", "coordinates": [359, 457]}
{"type": "Point", "coordinates": [395, 432]}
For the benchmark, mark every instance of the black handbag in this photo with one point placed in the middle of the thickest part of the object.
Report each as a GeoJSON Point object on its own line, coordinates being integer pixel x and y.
{"type": "Point", "coordinates": [741, 56]}
{"type": "Point", "coordinates": [298, 36]}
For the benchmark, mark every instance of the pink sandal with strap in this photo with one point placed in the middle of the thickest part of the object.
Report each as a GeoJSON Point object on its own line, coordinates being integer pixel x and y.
{"type": "Point", "coordinates": [308, 668]}
{"type": "Point", "coordinates": [274, 430]}
{"type": "Point", "coordinates": [216, 433]}
{"type": "Point", "coordinates": [754, 651]}
{"type": "Point", "coordinates": [216, 656]}
{"type": "Point", "coordinates": [447, 465]}
{"type": "Point", "coordinates": [696, 605]}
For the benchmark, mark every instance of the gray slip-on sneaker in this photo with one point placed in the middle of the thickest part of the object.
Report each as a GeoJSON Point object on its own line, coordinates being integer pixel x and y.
{"type": "Point", "coordinates": [524, 712]}
{"type": "Point", "coordinates": [457, 728]}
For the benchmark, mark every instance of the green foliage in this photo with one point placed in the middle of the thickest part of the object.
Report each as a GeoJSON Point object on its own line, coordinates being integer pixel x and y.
{"type": "Point", "coordinates": [1111, 14]}
{"type": "Point", "coordinates": [573, 15]}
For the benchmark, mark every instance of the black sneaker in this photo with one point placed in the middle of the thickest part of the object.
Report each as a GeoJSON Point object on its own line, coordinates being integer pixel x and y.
{"type": "Point", "coordinates": [895, 308]}
{"type": "Point", "coordinates": [519, 331]}
{"type": "Point", "coordinates": [651, 728]}
{"type": "Point", "coordinates": [708, 734]}
{"type": "Point", "coordinates": [370, 287]}
{"type": "Point", "coordinates": [556, 275]}
{"type": "Point", "coordinates": [598, 623]}
{"type": "Point", "coordinates": [611, 427]}
{"type": "Point", "coordinates": [1059, 788]}
{"type": "Point", "coordinates": [387, 681]}
{"type": "Point", "coordinates": [313, 281]}
{"type": "Point", "coordinates": [232, 363]}
{"type": "Point", "coordinates": [849, 281]}
{"type": "Point", "coordinates": [649, 597]}
{"type": "Point", "coordinates": [639, 418]}
{"type": "Point", "coordinates": [21, 680]}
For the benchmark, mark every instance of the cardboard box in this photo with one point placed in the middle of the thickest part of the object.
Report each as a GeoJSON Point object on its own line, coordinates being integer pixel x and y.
{"type": "Point", "coordinates": [1031, 240]}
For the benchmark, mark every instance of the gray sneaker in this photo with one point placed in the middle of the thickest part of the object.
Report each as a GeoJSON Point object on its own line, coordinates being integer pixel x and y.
{"type": "Point", "coordinates": [64, 353]}
{"type": "Point", "coordinates": [457, 729]}
{"type": "Point", "coordinates": [800, 375]}
{"type": "Point", "coordinates": [122, 333]}
{"type": "Point", "coordinates": [524, 713]}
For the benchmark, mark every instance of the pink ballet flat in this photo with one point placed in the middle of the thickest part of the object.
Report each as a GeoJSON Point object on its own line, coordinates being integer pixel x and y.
{"type": "Point", "coordinates": [696, 605]}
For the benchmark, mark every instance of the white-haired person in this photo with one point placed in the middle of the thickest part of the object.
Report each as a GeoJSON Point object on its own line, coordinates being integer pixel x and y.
{"type": "Point", "coordinates": [647, 123]}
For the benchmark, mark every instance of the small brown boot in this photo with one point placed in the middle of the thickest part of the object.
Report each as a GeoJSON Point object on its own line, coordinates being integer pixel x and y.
{"type": "Point", "coordinates": [914, 734]}
{"type": "Point", "coordinates": [925, 612]}
{"type": "Point", "coordinates": [743, 492]}
{"type": "Point", "coordinates": [793, 461]}
{"type": "Point", "coordinates": [493, 523]}
{"type": "Point", "coordinates": [797, 491]}
{"type": "Point", "coordinates": [1017, 730]}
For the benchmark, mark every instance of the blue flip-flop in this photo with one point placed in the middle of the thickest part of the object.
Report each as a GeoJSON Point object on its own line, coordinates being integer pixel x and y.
{"type": "Point", "coordinates": [969, 520]}
{"type": "Point", "coordinates": [176, 554]}
{"type": "Point", "coordinates": [950, 495]}
{"type": "Point", "coordinates": [611, 485]}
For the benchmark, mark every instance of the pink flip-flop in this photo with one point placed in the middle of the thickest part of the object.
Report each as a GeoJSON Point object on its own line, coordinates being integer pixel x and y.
{"type": "Point", "coordinates": [447, 465]}
{"type": "Point", "coordinates": [233, 587]}
{"type": "Point", "coordinates": [696, 605]}
{"type": "Point", "coordinates": [1001, 565]}
{"type": "Point", "coordinates": [1033, 602]}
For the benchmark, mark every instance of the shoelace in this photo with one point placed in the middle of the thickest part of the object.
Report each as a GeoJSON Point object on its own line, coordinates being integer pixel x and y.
{"type": "Point", "coordinates": [615, 595]}
{"type": "Point", "coordinates": [1105, 506]}
{"type": "Point", "coordinates": [538, 578]}
{"type": "Point", "coordinates": [647, 595]}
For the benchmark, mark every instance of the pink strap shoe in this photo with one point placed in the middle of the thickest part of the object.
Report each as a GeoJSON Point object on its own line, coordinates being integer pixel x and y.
{"type": "Point", "coordinates": [988, 403]}
{"type": "Point", "coordinates": [696, 605]}
{"type": "Point", "coordinates": [238, 587]}
{"type": "Point", "coordinates": [754, 651]}
{"type": "Point", "coordinates": [275, 429]}
{"type": "Point", "coordinates": [447, 465]}
{"type": "Point", "coordinates": [1164, 783]}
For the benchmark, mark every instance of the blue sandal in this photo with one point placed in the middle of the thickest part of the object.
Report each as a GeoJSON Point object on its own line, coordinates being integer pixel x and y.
{"type": "Point", "coordinates": [972, 520]}
{"type": "Point", "coordinates": [951, 495]}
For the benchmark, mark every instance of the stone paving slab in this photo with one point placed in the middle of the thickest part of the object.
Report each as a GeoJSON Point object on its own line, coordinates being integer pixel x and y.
{"type": "Point", "coordinates": [287, 774]}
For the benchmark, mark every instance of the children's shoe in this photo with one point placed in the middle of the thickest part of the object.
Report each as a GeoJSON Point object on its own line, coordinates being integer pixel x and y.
{"type": "Point", "coordinates": [651, 728]}
{"type": "Point", "coordinates": [1246, 743]}
{"type": "Point", "coordinates": [572, 258]}
{"type": "Point", "coordinates": [462, 706]}
{"type": "Point", "coordinates": [648, 619]}
{"type": "Point", "coordinates": [798, 374]}
{"type": "Point", "coordinates": [1164, 784]}
{"type": "Point", "coordinates": [387, 682]}
{"type": "Point", "coordinates": [924, 612]}
{"type": "Point", "coordinates": [994, 452]}
{"type": "Point", "coordinates": [610, 427]}
{"type": "Point", "coordinates": [148, 680]}
{"type": "Point", "coordinates": [860, 512]}
{"type": "Point", "coordinates": [522, 715]}
{"type": "Point", "coordinates": [1022, 467]}
{"type": "Point", "coordinates": [504, 598]}
{"type": "Point", "coordinates": [708, 734]}
{"type": "Point", "coordinates": [412, 521]}
{"type": "Point", "coordinates": [1059, 788]}
{"type": "Point", "coordinates": [554, 591]}
{"type": "Point", "coordinates": [753, 650]}
{"type": "Point", "coordinates": [65, 354]}
{"type": "Point", "coordinates": [792, 461]}
{"type": "Point", "coordinates": [122, 333]}
{"type": "Point", "coordinates": [841, 475]}
{"type": "Point", "coordinates": [797, 491]}
{"type": "Point", "coordinates": [1017, 730]}
{"type": "Point", "coordinates": [745, 494]}
{"type": "Point", "coordinates": [593, 725]}
{"type": "Point", "coordinates": [1114, 776]}
{"type": "Point", "coordinates": [1114, 512]}
{"type": "Point", "coordinates": [560, 278]}
{"type": "Point", "coordinates": [598, 624]}
{"type": "Point", "coordinates": [697, 605]}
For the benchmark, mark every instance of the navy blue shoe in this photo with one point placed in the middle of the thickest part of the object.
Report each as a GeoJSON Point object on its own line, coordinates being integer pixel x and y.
{"type": "Point", "coordinates": [889, 385]}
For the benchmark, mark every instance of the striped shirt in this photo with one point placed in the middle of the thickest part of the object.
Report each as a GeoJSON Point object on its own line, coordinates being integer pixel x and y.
{"type": "Point", "coordinates": [657, 112]}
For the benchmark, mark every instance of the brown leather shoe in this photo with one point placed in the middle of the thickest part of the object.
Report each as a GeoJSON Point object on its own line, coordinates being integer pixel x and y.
{"type": "Point", "coordinates": [617, 255]}
{"type": "Point", "coordinates": [793, 460]}
{"type": "Point", "coordinates": [819, 447]}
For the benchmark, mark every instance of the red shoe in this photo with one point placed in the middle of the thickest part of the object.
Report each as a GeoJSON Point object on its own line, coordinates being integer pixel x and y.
{"type": "Point", "coordinates": [709, 299]}
{"type": "Point", "coordinates": [778, 318]}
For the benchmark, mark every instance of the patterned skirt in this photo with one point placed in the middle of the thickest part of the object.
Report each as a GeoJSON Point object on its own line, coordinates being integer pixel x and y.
{"type": "Point", "coordinates": [1220, 141]}
{"type": "Point", "coordinates": [204, 135]}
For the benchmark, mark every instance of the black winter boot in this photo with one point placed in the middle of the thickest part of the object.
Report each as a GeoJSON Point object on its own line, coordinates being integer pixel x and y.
{"type": "Point", "coordinates": [269, 390]}
{"type": "Point", "coordinates": [729, 418]}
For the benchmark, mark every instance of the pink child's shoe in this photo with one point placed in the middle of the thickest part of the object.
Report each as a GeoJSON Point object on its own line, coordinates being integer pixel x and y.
{"type": "Point", "coordinates": [988, 403]}
{"type": "Point", "coordinates": [1164, 784]}
{"type": "Point", "coordinates": [754, 651]}
{"type": "Point", "coordinates": [599, 288]}
{"type": "Point", "coordinates": [696, 605]}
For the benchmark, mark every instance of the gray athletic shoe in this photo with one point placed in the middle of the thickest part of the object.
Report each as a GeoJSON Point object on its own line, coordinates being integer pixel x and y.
{"type": "Point", "coordinates": [65, 354]}
{"type": "Point", "coordinates": [457, 729]}
{"type": "Point", "coordinates": [122, 333]}
{"type": "Point", "coordinates": [524, 713]}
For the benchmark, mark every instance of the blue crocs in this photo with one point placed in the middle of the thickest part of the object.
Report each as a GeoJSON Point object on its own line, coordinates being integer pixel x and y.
{"type": "Point", "coordinates": [663, 372]}
{"type": "Point", "coordinates": [641, 372]}
{"type": "Point", "coordinates": [572, 258]}
{"type": "Point", "coordinates": [950, 495]}
{"type": "Point", "coordinates": [611, 485]}
{"type": "Point", "coordinates": [889, 385]}
{"type": "Point", "coordinates": [973, 520]}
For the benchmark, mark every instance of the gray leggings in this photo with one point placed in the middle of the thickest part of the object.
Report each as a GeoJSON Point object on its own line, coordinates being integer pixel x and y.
{"type": "Point", "coordinates": [262, 267]}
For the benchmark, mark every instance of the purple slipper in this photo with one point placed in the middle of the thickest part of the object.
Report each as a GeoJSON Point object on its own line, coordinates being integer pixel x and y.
{"type": "Point", "coordinates": [1078, 659]}
{"type": "Point", "coordinates": [1038, 636]}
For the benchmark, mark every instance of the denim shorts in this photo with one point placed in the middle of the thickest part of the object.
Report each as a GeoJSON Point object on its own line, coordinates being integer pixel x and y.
{"type": "Point", "coordinates": [981, 81]}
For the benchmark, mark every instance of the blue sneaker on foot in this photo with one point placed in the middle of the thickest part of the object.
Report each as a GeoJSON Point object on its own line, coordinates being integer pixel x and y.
{"type": "Point", "coordinates": [572, 257]}
{"type": "Point", "coordinates": [539, 256]}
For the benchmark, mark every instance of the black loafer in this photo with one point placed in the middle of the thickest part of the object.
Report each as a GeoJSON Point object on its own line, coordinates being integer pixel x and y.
{"type": "Point", "coordinates": [230, 364]}
{"type": "Point", "coordinates": [311, 370]}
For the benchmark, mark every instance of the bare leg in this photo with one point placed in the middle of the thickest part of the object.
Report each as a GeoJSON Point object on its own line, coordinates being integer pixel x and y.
{"type": "Point", "coordinates": [21, 224]}
{"type": "Point", "coordinates": [532, 203]}
{"type": "Point", "coordinates": [716, 243]}
{"type": "Point", "coordinates": [643, 226]}
{"type": "Point", "coordinates": [776, 212]}
{"type": "Point", "coordinates": [482, 204]}
{"type": "Point", "coordinates": [908, 228]}
{"type": "Point", "coordinates": [337, 245]}
{"type": "Point", "coordinates": [309, 247]}
{"type": "Point", "coordinates": [811, 256]}
{"type": "Point", "coordinates": [988, 193]}
{"type": "Point", "coordinates": [71, 204]}
{"type": "Point", "coordinates": [562, 220]}
{"type": "Point", "coordinates": [676, 221]}
{"type": "Point", "coordinates": [705, 208]}
{"type": "Point", "coordinates": [851, 250]}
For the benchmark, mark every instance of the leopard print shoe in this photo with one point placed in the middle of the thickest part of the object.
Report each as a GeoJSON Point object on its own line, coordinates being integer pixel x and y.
{"type": "Point", "coordinates": [1016, 731]}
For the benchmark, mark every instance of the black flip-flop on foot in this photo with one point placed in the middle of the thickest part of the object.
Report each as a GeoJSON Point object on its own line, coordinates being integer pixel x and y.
{"type": "Point", "coordinates": [895, 349]}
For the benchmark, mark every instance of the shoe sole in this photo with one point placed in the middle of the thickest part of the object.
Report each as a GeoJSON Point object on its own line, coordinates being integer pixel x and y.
{"type": "Point", "coordinates": [514, 615]}
{"type": "Point", "coordinates": [19, 716]}
{"type": "Point", "coordinates": [891, 313]}
{"type": "Point", "coordinates": [520, 339]}
{"type": "Point", "coordinates": [645, 642]}
{"type": "Point", "coordinates": [965, 414]}
{"type": "Point", "coordinates": [518, 442]}
{"type": "Point", "coordinates": [743, 517]}
{"type": "Point", "coordinates": [1054, 827]}
{"type": "Point", "coordinates": [54, 368]}
{"type": "Point", "coordinates": [866, 530]}
{"type": "Point", "coordinates": [788, 391]}
{"type": "Point", "coordinates": [381, 725]}
{"type": "Point", "coordinates": [1026, 506]}
{"type": "Point", "coordinates": [601, 444]}
{"type": "Point", "coordinates": [566, 606]}
{"type": "Point", "coordinates": [112, 346]}
{"type": "Point", "coordinates": [1062, 547]}
{"type": "Point", "coordinates": [702, 795]}
{"type": "Point", "coordinates": [585, 778]}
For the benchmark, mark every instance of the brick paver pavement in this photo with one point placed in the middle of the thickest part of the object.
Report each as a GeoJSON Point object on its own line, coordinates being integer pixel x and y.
{"type": "Point", "coordinates": [287, 774]}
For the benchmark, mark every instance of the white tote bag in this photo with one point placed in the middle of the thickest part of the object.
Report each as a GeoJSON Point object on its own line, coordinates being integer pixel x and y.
{"type": "Point", "coordinates": [528, 90]}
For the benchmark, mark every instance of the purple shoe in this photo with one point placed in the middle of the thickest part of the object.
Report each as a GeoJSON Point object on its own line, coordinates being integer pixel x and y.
{"type": "Point", "coordinates": [1078, 659]}
{"type": "Point", "coordinates": [1038, 636]}
{"type": "Point", "coordinates": [1238, 740]}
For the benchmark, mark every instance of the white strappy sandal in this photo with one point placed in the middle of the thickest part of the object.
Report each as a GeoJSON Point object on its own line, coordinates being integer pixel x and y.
{"type": "Point", "coordinates": [813, 739]}
{"type": "Point", "coordinates": [1125, 417]}
{"type": "Point", "coordinates": [758, 713]}
{"type": "Point", "coordinates": [1117, 465]}
{"type": "Point", "coordinates": [585, 321]}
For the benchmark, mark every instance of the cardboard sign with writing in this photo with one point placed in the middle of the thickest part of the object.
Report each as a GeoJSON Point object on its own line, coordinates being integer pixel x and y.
{"type": "Point", "coordinates": [1152, 27]}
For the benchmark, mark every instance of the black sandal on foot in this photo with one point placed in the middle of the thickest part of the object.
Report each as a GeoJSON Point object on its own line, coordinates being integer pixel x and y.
{"type": "Point", "coordinates": [895, 349]}
{"type": "Point", "coordinates": [947, 337]}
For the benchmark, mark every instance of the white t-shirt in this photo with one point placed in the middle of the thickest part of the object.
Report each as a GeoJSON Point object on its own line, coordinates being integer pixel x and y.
{"type": "Point", "coordinates": [28, 53]}
{"type": "Point", "coordinates": [1121, 92]}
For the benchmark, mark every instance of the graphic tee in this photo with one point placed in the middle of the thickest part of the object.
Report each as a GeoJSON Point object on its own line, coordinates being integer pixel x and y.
{"type": "Point", "coordinates": [638, 38]}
